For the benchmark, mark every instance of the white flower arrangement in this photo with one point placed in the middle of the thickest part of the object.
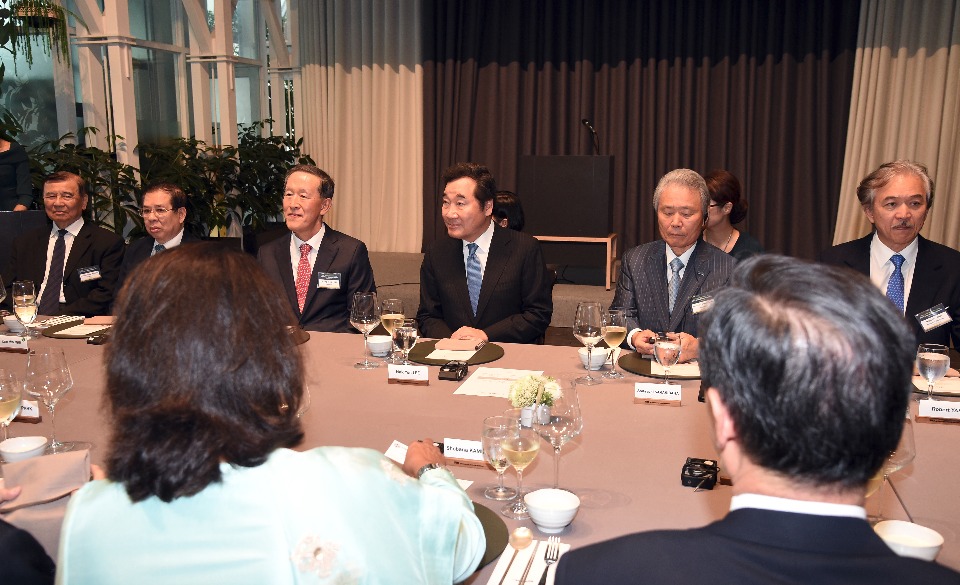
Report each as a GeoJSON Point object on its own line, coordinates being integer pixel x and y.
{"type": "Point", "coordinates": [524, 391]}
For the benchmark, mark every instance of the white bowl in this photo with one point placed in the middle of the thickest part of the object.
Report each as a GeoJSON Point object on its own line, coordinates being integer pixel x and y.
{"type": "Point", "coordinates": [597, 359]}
{"type": "Point", "coordinates": [552, 509]}
{"type": "Point", "coordinates": [20, 448]}
{"type": "Point", "coordinates": [380, 345]}
{"type": "Point", "coordinates": [910, 540]}
{"type": "Point", "coordinates": [13, 324]}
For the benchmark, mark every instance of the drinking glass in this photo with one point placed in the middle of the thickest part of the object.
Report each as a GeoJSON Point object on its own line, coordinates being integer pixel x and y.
{"type": "Point", "coordinates": [564, 424]}
{"type": "Point", "coordinates": [365, 316]}
{"type": "Point", "coordinates": [48, 379]}
{"type": "Point", "coordinates": [10, 399]}
{"type": "Point", "coordinates": [666, 350]}
{"type": "Point", "coordinates": [25, 305]}
{"type": "Point", "coordinates": [520, 446]}
{"type": "Point", "coordinates": [614, 332]}
{"type": "Point", "coordinates": [905, 452]}
{"type": "Point", "coordinates": [3, 291]}
{"type": "Point", "coordinates": [405, 337]}
{"type": "Point", "coordinates": [391, 315]}
{"type": "Point", "coordinates": [932, 363]}
{"type": "Point", "coordinates": [495, 430]}
{"type": "Point", "coordinates": [588, 329]}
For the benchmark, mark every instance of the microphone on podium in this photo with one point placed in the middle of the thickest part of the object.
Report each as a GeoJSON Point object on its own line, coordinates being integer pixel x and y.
{"type": "Point", "coordinates": [596, 139]}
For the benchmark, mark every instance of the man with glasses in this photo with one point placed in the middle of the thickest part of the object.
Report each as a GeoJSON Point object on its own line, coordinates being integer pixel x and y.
{"type": "Point", "coordinates": [75, 264]}
{"type": "Point", "coordinates": [164, 210]}
{"type": "Point", "coordinates": [318, 267]}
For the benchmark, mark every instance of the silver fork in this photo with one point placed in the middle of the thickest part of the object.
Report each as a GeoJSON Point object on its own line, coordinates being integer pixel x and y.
{"type": "Point", "coordinates": [550, 556]}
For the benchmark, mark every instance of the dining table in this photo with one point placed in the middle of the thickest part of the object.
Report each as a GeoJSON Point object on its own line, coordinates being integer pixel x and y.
{"type": "Point", "coordinates": [625, 466]}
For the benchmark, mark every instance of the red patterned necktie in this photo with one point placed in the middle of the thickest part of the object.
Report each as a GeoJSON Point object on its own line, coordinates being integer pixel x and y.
{"type": "Point", "coordinates": [303, 275]}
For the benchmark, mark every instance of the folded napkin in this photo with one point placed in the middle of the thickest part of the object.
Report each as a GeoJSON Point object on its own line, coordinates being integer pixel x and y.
{"type": "Point", "coordinates": [519, 565]}
{"type": "Point", "coordinates": [47, 483]}
{"type": "Point", "coordinates": [460, 344]}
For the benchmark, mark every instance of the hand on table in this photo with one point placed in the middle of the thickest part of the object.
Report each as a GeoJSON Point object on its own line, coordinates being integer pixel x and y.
{"type": "Point", "coordinates": [469, 333]}
{"type": "Point", "coordinates": [421, 453]}
{"type": "Point", "coordinates": [689, 347]}
{"type": "Point", "coordinates": [642, 341]}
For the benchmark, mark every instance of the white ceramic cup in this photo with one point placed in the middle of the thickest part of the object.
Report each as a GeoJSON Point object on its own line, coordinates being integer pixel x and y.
{"type": "Point", "coordinates": [910, 540]}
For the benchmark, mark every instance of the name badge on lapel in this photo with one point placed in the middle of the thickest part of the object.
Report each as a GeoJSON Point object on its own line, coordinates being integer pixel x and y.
{"type": "Point", "coordinates": [330, 280]}
{"type": "Point", "coordinates": [934, 317]}
{"type": "Point", "coordinates": [89, 273]}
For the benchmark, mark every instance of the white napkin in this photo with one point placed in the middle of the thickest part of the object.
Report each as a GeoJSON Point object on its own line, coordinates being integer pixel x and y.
{"type": "Point", "coordinates": [520, 564]}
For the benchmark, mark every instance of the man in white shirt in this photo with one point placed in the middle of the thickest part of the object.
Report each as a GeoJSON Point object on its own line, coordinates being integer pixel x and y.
{"type": "Point", "coordinates": [916, 274]}
{"type": "Point", "coordinates": [808, 373]}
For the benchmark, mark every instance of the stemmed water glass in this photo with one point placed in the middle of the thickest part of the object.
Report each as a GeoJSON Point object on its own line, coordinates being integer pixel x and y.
{"type": "Point", "coordinates": [365, 316]}
{"type": "Point", "coordinates": [932, 363]}
{"type": "Point", "coordinates": [405, 336]}
{"type": "Point", "coordinates": [391, 316]}
{"type": "Point", "coordinates": [48, 379]}
{"type": "Point", "coordinates": [905, 452]}
{"type": "Point", "coordinates": [666, 350]}
{"type": "Point", "coordinates": [10, 399]}
{"type": "Point", "coordinates": [25, 305]}
{"type": "Point", "coordinates": [565, 423]}
{"type": "Point", "coordinates": [614, 332]}
{"type": "Point", "coordinates": [495, 430]}
{"type": "Point", "coordinates": [588, 329]}
{"type": "Point", "coordinates": [520, 446]}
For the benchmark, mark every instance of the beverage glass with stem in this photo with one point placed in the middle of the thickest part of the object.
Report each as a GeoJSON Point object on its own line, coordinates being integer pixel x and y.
{"type": "Point", "coordinates": [666, 350]}
{"type": "Point", "coordinates": [520, 446]}
{"type": "Point", "coordinates": [391, 315]}
{"type": "Point", "coordinates": [904, 453]}
{"type": "Point", "coordinates": [614, 332]}
{"type": "Point", "coordinates": [932, 363]}
{"type": "Point", "coordinates": [565, 423]}
{"type": "Point", "coordinates": [495, 429]}
{"type": "Point", "coordinates": [10, 399]}
{"type": "Point", "coordinates": [25, 305]}
{"type": "Point", "coordinates": [48, 379]}
{"type": "Point", "coordinates": [588, 329]}
{"type": "Point", "coordinates": [365, 316]}
{"type": "Point", "coordinates": [405, 336]}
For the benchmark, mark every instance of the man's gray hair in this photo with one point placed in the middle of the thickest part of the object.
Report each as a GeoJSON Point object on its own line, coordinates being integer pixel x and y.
{"type": "Point", "coordinates": [685, 178]}
{"type": "Point", "coordinates": [879, 179]}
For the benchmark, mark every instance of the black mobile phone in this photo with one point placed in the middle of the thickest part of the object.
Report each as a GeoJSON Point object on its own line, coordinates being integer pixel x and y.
{"type": "Point", "coordinates": [453, 371]}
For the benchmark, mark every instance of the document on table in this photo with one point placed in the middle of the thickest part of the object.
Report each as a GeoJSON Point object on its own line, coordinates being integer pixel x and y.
{"type": "Point", "coordinates": [81, 330]}
{"type": "Point", "coordinates": [942, 386]}
{"type": "Point", "coordinates": [493, 381]}
{"type": "Point", "coordinates": [451, 355]}
{"type": "Point", "coordinates": [691, 369]}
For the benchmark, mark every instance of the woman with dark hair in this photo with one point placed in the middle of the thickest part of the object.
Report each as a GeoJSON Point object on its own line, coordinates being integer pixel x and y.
{"type": "Point", "coordinates": [16, 192]}
{"type": "Point", "coordinates": [204, 385]}
{"type": "Point", "coordinates": [727, 209]}
{"type": "Point", "coordinates": [507, 211]}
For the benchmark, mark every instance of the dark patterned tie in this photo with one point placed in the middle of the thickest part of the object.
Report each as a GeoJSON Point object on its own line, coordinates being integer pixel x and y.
{"type": "Point", "coordinates": [895, 284]}
{"type": "Point", "coordinates": [676, 266]}
{"type": "Point", "coordinates": [50, 300]}
{"type": "Point", "coordinates": [474, 278]}
{"type": "Point", "coordinates": [303, 275]}
{"type": "Point", "coordinates": [159, 248]}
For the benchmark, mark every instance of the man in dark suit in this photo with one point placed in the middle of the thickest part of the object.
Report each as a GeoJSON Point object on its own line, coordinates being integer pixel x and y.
{"type": "Point", "coordinates": [679, 265]}
{"type": "Point", "coordinates": [25, 561]}
{"type": "Point", "coordinates": [164, 211]}
{"type": "Point", "coordinates": [76, 264]}
{"type": "Point", "coordinates": [915, 273]}
{"type": "Point", "coordinates": [484, 282]}
{"type": "Point", "coordinates": [319, 268]}
{"type": "Point", "coordinates": [808, 374]}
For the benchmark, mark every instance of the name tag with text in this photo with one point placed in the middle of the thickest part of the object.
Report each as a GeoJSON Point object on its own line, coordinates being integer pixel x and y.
{"type": "Point", "coordinates": [398, 374]}
{"type": "Point", "coordinates": [940, 409]}
{"type": "Point", "coordinates": [329, 280]}
{"type": "Point", "coordinates": [13, 343]}
{"type": "Point", "coordinates": [648, 393]}
{"type": "Point", "coordinates": [89, 273]}
{"type": "Point", "coordinates": [934, 317]}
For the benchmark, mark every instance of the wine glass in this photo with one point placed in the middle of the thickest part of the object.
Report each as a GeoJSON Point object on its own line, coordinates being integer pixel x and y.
{"type": "Point", "coordinates": [932, 363]}
{"type": "Point", "coordinates": [564, 424]}
{"type": "Point", "coordinates": [3, 291]}
{"type": "Point", "coordinates": [614, 332]}
{"type": "Point", "coordinates": [48, 379]}
{"type": "Point", "coordinates": [405, 336]}
{"type": "Point", "coordinates": [904, 453]}
{"type": "Point", "coordinates": [391, 315]}
{"type": "Point", "coordinates": [495, 429]}
{"type": "Point", "coordinates": [588, 329]}
{"type": "Point", "coordinates": [365, 316]}
{"type": "Point", "coordinates": [520, 446]}
{"type": "Point", "coordinates": [666, 350]}
{"type": "Point", "coordinates": [10, 399]}
{"type": "Point", "coordinates": [25, 305]}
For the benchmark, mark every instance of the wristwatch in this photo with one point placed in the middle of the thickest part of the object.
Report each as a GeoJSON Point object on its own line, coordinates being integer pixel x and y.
{"type": "Point", "coordinates": [427, 468]}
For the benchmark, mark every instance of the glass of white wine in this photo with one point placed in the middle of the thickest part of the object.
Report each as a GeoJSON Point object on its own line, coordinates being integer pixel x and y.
{"type": "Point", "coordinates": [405, 336]}
{"type": "Point", "coordinates": [25, 305]}
{"type": "Point", "coordinates": [391, 316]}
{"type": "Point", "coordinates": [588, 329]}
{"type": "Point", "coordinates": [614, 332]}
{"type": "Point", "coordinates": [932, 364]}
{"type": "Point", "coordinates": [520, 447]}
{"type": "Point", "coordinates": [10, 399]}
{"type": "Point", "coordinates": [495, 430]}
{"type": "Point", "coordinates": [666, 350]}
{"type": "Point", "coordinates": [365, 316]}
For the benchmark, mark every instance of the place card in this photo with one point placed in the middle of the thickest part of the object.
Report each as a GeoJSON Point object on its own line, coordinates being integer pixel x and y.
{"type": "Point", "coordinates": [464, 452]}
{"type": "Point", "coordinates": [397, 452]}
{"type": "Point", "coordinates": [13, 344]}
{"type": "Point", "coordinates": [29, 412]}
{"type": "Point", "coordinates": [400, 374]}
{"type": "Point", "coordinates": [934, 317]}
{"type": "Point", "coordinates": [939, 410]}
{"type": "Point", "coordinates": [647, 393]}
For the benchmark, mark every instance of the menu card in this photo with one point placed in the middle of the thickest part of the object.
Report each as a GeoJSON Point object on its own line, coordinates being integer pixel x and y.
{"type": "Point", "coordinates": [493, 381]}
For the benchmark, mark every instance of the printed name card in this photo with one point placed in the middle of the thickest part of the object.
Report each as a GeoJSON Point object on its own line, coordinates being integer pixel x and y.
{"type": "Point", "coordinates": [463, 452]}
{"type": "Point", "coordinates": [29, 412]}
{"type": "Point", "coordinates": [934, 317]}
{"type": "Point", "coordinates": [647, 393]}
{"type": "Point", "coordinates": [399, 374]}
{"type": "Point", "coordinates": [701, 303]}
{"type": "Point", "coordinates": [940, 410]}
{"type": "Point", "coordinates": [13, 343]}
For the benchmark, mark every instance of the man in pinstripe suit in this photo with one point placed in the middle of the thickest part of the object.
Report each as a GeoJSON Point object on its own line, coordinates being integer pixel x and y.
{"type": "Point", "coordinates": [659, 281]}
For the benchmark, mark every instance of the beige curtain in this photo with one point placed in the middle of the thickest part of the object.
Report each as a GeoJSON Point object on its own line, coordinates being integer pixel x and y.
{"type": "Point", "coordinates": [362, 115]}
{"type": "Point", "coordinates": [906, 104]}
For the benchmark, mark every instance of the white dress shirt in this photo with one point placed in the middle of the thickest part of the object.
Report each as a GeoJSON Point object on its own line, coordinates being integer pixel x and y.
{"type": "Point", "coordinates": [295, 244]}
{"type": "Point", "coordinates": [72, 231]}
{"type": "Point", "coordinates": [483, 249]}
{"type": "Point", "coordinates": [798, 506]}
{"type": "Point", "coordinates": [881, 267]}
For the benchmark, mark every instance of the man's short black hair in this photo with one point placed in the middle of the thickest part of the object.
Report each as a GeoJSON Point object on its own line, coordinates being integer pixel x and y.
{"type": "Point", "coordinates": [486, 185]}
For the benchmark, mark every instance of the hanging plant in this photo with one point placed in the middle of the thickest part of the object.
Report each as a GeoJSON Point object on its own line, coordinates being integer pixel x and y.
{"type": "Point", "coordinates": [22, 21]}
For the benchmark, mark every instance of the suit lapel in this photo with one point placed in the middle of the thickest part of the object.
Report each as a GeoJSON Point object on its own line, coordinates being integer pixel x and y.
{"type": "Point", "coordinates": [453, 261]}
{"type": "Point", "coordinates": [326, 254]}
{"type": "Point", "coordinates": [693, 276]}
{"type": "Point", "coordinates": [860, 261]}
{"type": "Point", "coordinates": [80, 245]}
{"type": "Point", "coordinates": [655, 269]}
{"type": "Point", "coordinates": [925, 276]}
{"type": "Point", "coordinates": [282, 257]}
{"type": "Point", "coordinates": [496, 262]}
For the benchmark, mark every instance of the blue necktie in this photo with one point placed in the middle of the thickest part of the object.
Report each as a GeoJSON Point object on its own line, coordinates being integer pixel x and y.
{"type": "Point", "coordinates": [474, 278]}
{"type": "Point", "coordinates": [50, 300]}
{"type": "Point", "coordinates": [674, 286]}
{"type": "Point", "coordinates": [895, 284]}
{"type": "Point", "coordinates": [158, 248]}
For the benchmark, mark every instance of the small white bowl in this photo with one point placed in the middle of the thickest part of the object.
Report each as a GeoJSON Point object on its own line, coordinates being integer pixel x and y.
{"type": "Point", "coordinates": [910, 540]}
{"type": "Point", "coordinates": [552, 509]}
{"type": "Point", "coordinates": [20, 448]}
{"type": "Point", "coordinates": [380, 345]}
{"type": "Point", "coordinates": [14, 325]}
{"type": "Point", "coordinates": [597, 359]}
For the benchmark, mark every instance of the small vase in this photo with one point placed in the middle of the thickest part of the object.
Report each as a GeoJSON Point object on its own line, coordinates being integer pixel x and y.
{"type": "Point", "coordinates": [527, 414]}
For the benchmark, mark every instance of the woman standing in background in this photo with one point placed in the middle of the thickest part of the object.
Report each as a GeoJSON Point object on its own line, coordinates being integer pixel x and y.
{"type": "Point", "coordinates": [727, 208]}
{"type": "Point", "coordinates": [16, 193]}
